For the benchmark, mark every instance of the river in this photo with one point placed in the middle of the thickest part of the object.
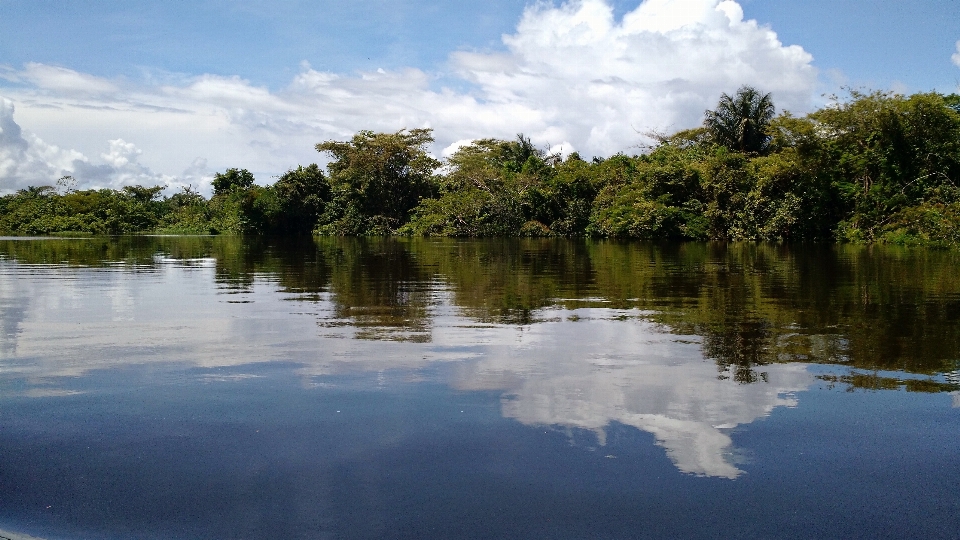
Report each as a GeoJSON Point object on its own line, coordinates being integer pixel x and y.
{"type": "Point", "coordinates": [216, 387]}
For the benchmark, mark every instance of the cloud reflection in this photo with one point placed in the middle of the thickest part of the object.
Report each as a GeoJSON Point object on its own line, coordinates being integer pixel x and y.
{"type": "Point", "coordinates": [603, 369]}
{"type": "Point", "coordinates": [585, 368]}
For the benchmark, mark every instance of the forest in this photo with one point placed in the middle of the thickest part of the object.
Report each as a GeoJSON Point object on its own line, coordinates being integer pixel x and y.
{"type": "Point", "coordinates": [872, 167]}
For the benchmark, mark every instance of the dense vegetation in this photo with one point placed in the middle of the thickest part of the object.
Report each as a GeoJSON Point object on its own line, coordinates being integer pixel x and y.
{"type": "Point", "coordinates": [877, 167]}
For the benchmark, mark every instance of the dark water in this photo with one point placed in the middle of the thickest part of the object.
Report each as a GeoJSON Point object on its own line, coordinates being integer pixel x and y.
{"type": "Point", "coordinates": [216, 388]}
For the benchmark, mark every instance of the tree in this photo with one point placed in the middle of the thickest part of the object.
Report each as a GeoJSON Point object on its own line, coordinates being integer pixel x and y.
{"type": "Point", "coordinates": [515, 154]}
{"type": "Point", "coordinates": [143, 194]}
{"type": "Point", "coordinates": [478, 195]}
{"type": "Point", "coordinates": [740, 122]}
{"type": "Point", "coordinates": [34, 192]}
{"type": "Point", "coordinates": [302, 194]}
{"type": "Point", "coordinates": [377, 179]}
{"type": "Point", "coordinates": [232, 180]}
{"type": "Point", "coordinates": [890, 153]}
{"type": "Point", "coordinates": [952, 101]}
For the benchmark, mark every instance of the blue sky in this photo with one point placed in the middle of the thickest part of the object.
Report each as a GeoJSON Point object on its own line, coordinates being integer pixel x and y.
{"type": "Point", "coordinates": [875, 43]}
{"type": "Point", "coordinates": [186, 88]}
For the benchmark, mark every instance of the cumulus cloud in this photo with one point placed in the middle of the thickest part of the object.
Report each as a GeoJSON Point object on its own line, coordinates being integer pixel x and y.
{"type": "Point", "coordinates": [27, 160]}
{"type": "Point", "coordinates": [956, 56]}
{"type": "Point", "coordinates": [120, 168]}
{"type": "Point", "coordinates": [595, 80]}
{"type": "Point", "coordinates": [573, 77]}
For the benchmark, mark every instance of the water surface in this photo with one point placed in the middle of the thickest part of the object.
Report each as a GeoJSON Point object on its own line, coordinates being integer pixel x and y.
{"type": "Point", "coordinates": [200, 387]}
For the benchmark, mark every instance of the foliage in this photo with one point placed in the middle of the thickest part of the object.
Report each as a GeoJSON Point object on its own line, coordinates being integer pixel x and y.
{"type": "Point", "coordinates": [302, 194]}
{"type": "Point", "coordinates": [874, 167]}
{"type": "Point", "coordinates": [291, 206]}
{"type": "Point", "coordinates": [376, 179]}
{"type": "Point", "coordinates": [508, 188]}
{"type": "Point", "coordinates": [188, 213]}
{"type": "Point", "coordinates": [740, 122]}
{"type": "Point", "coordinates": [35, 211]}
{"type": "Point", "coordinates": [888, 153]}
{"type": "Point", "coordinates": [482, 192]}
{"type": "Point", "coordinates": [232, 180]}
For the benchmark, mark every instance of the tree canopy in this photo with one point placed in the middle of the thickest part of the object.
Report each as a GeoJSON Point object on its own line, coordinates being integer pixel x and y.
{"type": "Point", "coordinates": [740, 122]}
{"type": "Point", "coordinates": [232, 179]}
{"type": "Point", "coordinates": [377, 179]}
{"type": "Point", "coordinates": [872, 167]}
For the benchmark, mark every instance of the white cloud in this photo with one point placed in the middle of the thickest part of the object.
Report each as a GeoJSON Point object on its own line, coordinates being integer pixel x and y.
{"type": "Point", "coordinates": [599, 81]}
{"type": "Point", "coordinates": [121, 168]}
{"type": "Point", "coordinates": [572, 77]}
{"type": "Point", "coordinates": [121, 153]}
{"type": "Point", "coordinates": [64, 80]}
{"type": "Point", "coordinates": [956, 56]}
{"type": "Point", "coordinates": [26, 160]}
{"type": "Point", "coordinates": [452, 148]}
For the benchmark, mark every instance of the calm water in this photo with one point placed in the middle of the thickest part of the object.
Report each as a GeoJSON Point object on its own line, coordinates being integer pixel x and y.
{"type": "Point", "coordinates": [215, 388]}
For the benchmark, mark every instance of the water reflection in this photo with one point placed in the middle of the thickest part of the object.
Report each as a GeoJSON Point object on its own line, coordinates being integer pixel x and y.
{"type": "Point", "coordinates": [686, 342]}
{"type": "Point", "coordinates": [607, 367]}
{"type": "Point", "coordinates": [12, 312]}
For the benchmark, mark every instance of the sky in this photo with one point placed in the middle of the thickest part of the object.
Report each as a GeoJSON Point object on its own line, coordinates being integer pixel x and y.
{"type": "Point", "coordinates": [122, 92]}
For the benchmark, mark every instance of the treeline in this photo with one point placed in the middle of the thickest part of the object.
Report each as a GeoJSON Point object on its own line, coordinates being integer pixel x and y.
{"type": "Point", "coordinates": [877, 167]}
{"type": "Point", "coordinates": [238, 206]}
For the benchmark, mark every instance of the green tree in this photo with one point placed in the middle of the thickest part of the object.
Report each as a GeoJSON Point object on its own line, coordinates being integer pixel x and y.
{"type": "Point", "coordinates": [514, 155]}
{"type": "Point", "coordinates": [231, 180]}
{"type": "Point", "coordinates": [494, 187]}
{"type": "Point", "coordinates": [740, 122]}
{"type": "Point", "coordinates": [376, 179]}
{"type": "Point", "coordinates": [474, 196]}
{"type": "Point", "coordinates": [653, 197]}
{"type": "Point", "coordinates": [188, 213]}
{"type": "Point", "coordinates": [889, 153]}
{"type": "Point", "coordinates": [302, 195]}
{"type": "Point", "coordinates": [142, 194]}
{"type": "Point", "coordinates": [34, 192]}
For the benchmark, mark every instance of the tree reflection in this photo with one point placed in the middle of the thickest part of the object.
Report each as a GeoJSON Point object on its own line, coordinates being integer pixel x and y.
{"type": "Point", "coordinates": [379, 288]}
{"type": "Point", "coordinates": [573, 334]}
{"type": "Point", "coordinates": [753, 305]}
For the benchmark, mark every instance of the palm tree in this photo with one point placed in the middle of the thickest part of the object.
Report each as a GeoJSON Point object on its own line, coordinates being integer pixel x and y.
{"type": "Point", "coordinates": [516, 153]}
{"type": "Point", "coordinates": [740, 122]}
